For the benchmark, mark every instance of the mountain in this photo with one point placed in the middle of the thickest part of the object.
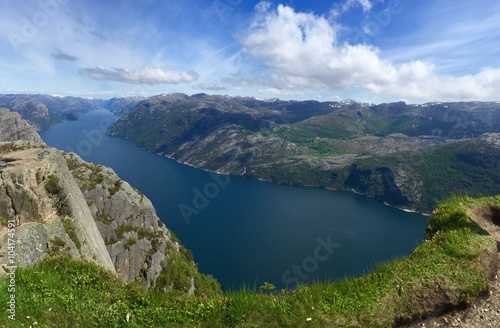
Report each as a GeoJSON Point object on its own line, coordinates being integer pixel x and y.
{"type": "Point", "coordinates": [409, 156]}
{"type": "Point", "coordinates": [77, 244]}
{"type": "Point", "coordinates": [42, 111]}
{"type": "Point", "coordinates": [56, 204]}
{"type": "Point", "coordinates": [122, 105]}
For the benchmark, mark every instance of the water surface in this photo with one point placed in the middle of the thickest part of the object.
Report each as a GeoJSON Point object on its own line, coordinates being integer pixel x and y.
{"type": "Point", "coordinates": [242, 230]}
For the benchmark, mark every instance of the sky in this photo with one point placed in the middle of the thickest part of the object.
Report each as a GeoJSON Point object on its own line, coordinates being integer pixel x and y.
{"type": "Point", "coordinates": [366, 50]}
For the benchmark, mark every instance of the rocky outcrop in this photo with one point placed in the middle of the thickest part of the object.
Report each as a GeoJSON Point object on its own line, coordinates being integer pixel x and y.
{"type": "Point", "coordinates": [86, 213]}
{"type": "Point", "coordinates": [13, 128]}
{"type": "Point", "coordinates": [38, 192]}
{"type": "Point", "coordinates": [137, 241]}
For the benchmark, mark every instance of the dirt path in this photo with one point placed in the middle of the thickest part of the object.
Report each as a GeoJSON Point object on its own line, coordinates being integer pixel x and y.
{"type": "Point", "coordinates": [485, 313]}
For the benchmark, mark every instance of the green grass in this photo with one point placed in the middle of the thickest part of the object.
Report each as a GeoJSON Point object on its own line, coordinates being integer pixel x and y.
{"type": "Point", "coordinates": [447, 270]}
{"type": "Point", "coordinates": [70, 230]}
{"type": "Point", "coordinates": [130, 242]}
{"type": "Point", "coordinates": [116, 186]}
{"type": "Point", "coordinates": [53, 187]}
{"type": "Point", "coordinates": [3, 219]}
{"type": "Point", "coordinates": [121, 229]}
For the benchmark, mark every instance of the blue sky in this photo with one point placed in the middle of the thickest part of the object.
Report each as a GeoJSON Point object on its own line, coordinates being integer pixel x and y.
{"type": "Point", "coordinates": [366, 50]}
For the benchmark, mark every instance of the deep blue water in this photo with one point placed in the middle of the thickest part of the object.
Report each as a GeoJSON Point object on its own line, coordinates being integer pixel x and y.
{"type": "Point", "coordinates": [242, 230]}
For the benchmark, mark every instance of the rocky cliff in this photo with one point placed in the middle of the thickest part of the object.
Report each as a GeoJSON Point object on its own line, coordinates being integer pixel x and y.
{"type": "Point", "coordinates": [13, 128]}
{"type": "Point", "coordinates": [137, 241]}
{"type": "Point", "coordinates": [51, 215]}
{"type": "Point", "coordinates": [53, 203]}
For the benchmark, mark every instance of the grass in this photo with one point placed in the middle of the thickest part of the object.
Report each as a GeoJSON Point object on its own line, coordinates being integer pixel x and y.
{"type": "Point", "coordinates": [57, 246]}
{"type": "Point", "coordinates": [122, 229]}
{"type": "Point", "coordinates": [116, 186]}
{"type": "Point", "coordinates": [3, 219]}
{"type": "Point", "coordinates": [130, 242]}
{"type": "Point", "coordinates": [71, 231]}
{"type": "Point", "coordinates": [449, 269]}
{"type": "Point", "coordinates": [53, 187]}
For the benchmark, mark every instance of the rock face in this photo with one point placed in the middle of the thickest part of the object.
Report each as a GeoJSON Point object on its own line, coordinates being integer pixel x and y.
{"type": "Point", "coordinates": [13, 127]}
{"type": "Point", "coordinates": [88, 212]}
{"type": "Point", "coordinates": [137, 241]}
{"type": "Point", "coordinates": [38, 191]}
{"type": "Point", "coordinates": [54, 203]}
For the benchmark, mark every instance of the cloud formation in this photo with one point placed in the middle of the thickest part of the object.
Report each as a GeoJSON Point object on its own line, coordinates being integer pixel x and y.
{"type": "Point", "coordinates": [62, 56]}
{"type": "Point", "coordinates": [365, 4]}
{"type": "Point", "coordinates": [147, 75]}
{"type": "Point", "coordinates": [301, 50]}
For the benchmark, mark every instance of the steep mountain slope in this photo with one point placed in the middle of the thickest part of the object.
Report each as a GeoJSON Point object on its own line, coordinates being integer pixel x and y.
{"type": "Point", "coordinates": [387, 151]}
{"type": "Point", "coordinates": [48, 208]}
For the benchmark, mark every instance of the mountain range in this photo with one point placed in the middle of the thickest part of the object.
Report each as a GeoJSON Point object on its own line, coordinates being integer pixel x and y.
{"type": "Point", "coordinates": [410, 156]}
{"type": "Point", "coordinates": [407, 155]}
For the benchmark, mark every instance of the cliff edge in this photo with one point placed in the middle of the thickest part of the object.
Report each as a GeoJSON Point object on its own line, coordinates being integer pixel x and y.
{"type": "Point", "coordinates": [53, 203]}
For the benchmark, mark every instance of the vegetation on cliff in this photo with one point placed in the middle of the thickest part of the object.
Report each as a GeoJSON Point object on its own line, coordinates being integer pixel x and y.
{"type": "Point", "coordinates": [450, 269]}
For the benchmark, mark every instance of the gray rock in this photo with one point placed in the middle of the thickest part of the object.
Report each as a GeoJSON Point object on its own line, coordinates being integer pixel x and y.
{"type": "Point", "coordinates": [31, 243]}
{"type": "Point", "coordinates": [14, 128]}
{"type": "Point", "coordinates": [137, 241]}
{"type": "Point", "coordinates": [24, 197]}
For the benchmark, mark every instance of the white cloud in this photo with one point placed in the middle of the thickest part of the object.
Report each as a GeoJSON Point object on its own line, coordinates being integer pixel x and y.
{"type": "Point", "coordinates": [301, 51]}
{"type": "Point", "coordinates": [63, 56]}
{"type": "Point", "coordinates": [147, 75]}
{"type": "Point", "coordinates": [365, 4]}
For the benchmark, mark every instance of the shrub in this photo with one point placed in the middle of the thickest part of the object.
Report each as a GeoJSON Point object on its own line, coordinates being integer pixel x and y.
{"type": "Point", "coordinates": [120, 230]}
{"type": "Point", "coordinates": [52, 185]}
{"type": "Point", "coordinates": [70, 230]}
{"type": "Point", "coordinates": [117, 185]}
{"type": "Point", "coordinates": [131, 241]}
{"type": "Point", "coordinates": [57, 246]}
